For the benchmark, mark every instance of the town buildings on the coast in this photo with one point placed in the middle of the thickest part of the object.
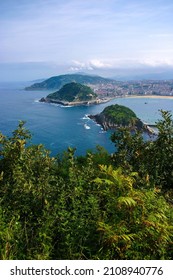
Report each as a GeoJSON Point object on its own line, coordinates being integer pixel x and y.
{"type": "Point", "coordinates": [128, 88]}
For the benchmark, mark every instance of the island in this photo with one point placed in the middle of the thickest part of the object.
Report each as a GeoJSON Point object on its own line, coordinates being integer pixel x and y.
{"type": "Point", "coordinates": [116, 116]}
{"type": "Point", "coordinates": [74, 94]}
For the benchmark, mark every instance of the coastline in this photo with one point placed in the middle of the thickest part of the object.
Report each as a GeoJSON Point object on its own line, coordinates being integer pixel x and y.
{"type": "Point", "coordinates": [107, 124]}
{"type": "Point", "coordinates": [101, 100]}
{"type": "Point", "coordinates": [75, 103]}
{"type": "Point", "coordinates": [149, 96]}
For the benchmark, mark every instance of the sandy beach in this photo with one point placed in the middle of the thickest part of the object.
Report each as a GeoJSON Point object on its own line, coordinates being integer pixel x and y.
{"type": "Point", "coordinates": [150, 96]}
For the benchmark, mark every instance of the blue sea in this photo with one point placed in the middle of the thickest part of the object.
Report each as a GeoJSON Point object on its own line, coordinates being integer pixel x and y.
{"type": "Point", "coordinates": [59, 127]}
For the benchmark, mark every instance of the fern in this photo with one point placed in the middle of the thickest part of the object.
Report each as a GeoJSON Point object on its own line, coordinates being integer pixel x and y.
{"type": "Point", "coordinates": [128, 201]}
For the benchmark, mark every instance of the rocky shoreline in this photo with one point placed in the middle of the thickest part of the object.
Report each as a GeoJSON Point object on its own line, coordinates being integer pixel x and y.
{"type": "Point", "coordinates": [74, 103]}
{"type": "Point", "coordinates": [107, 124]}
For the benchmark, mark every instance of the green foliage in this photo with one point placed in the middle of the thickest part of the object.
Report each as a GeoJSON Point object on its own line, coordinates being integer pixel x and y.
{"type": "Point", "coordinates": [135, 224]}
{"type": "Point", "coordinates": [120, 115]}
{"type": "Point", "coordinates": [73, 92]}
{"type": "Point", "coordinates": [59, 81]}
{"type": "Point", "coordinates": [152, 159]}
{"type": "Point", "coordinates": [96, 206]}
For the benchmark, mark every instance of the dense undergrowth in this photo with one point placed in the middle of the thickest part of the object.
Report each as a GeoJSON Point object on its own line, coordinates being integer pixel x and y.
{"type": "Point", "coordinates": [98, 206]}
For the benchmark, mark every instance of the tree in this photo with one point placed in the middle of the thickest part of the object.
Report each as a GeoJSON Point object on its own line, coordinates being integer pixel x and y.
{"type": "Point", "coordinates": [90, 207]}
{"type": "Point", "coordinates": [152, 159]}
{"type": "Point", "coordinates": [134, 223]}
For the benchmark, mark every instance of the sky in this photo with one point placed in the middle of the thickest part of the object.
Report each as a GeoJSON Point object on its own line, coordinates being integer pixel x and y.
{"type": "Point", "coordinates": [43, 38]}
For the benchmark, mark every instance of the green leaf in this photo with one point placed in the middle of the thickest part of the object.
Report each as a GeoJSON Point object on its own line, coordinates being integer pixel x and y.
{"type": "Point", "coordinates": [128, 201]}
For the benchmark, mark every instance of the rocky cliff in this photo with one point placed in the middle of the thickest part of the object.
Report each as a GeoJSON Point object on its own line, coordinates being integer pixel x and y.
{"type": "Point", "coordinates": [116, 116]}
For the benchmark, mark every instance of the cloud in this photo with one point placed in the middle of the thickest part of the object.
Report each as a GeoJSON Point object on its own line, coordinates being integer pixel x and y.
{"type": "Point", "coordinates": [92, 64]}
{"type": "Point", "coordinates": [157, 62]}
{"type": "Point", "coordinates": [96, 63]}
{"type": "Point", "coordinates": [80, 66]}
{"type": "Point", "coordinates": [88, 35]}
{"type": "Point", "coordinates": [128, 63]}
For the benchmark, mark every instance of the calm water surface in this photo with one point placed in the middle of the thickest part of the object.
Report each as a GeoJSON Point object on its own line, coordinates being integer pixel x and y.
{"type": "Point", "coordinates": [59, 127]}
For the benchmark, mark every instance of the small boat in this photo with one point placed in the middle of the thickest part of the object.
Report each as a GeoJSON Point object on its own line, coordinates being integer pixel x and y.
{"type": "Point", "coordinates": [86, 126]}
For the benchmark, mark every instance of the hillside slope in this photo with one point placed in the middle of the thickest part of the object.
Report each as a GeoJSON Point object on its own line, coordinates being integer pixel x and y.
{"type": "Point", "coordinates": [115, 116]}
{"type": "Point", "coordinates": [59, 81]}
{"type": "Point", "coordinates": [72, 94]}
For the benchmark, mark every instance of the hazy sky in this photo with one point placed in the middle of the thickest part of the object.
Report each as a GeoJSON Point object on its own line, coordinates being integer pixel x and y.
{"type": "Point", "coordinates": [40, 38]}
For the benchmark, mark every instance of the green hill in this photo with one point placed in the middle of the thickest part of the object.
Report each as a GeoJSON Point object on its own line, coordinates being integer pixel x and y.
{"type": "Point", "coordinates": [73, 92]}
{"type": "Point", "coordinates": [59, 81]}
{"type": "Point", "coordinates": [116, 116]}
{"type": "Point", "coordinates": [120, 115]}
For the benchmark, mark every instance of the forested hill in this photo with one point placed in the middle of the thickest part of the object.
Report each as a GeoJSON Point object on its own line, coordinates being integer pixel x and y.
{"type": "Point", "coordinates": [73, 92]}
{"type": "Point", "coordinates": [59, 81]}
{"type": "Point", "coordinates": [115, 116]}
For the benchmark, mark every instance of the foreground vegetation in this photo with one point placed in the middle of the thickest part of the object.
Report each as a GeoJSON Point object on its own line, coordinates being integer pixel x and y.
{"type": "Point", "coordinates": [98, 206]}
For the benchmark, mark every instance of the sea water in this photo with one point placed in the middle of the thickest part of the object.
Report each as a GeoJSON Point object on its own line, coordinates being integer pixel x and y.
{"type": "Point", "coordinates": [59, 127]}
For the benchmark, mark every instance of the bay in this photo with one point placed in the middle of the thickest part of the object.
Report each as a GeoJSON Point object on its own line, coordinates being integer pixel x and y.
{"type": "Point", "coordinates": [59, 127]}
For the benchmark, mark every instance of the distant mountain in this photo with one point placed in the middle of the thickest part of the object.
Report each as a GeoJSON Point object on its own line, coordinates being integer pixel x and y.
{"type": "Point", "coordinates": [156, 76]}
{"type": "Point", "coordinates": [162, 75]}
{"type": "Point", "coordinates": [38, 80]}
{"type": "Point", "coordinates": [57, 82]}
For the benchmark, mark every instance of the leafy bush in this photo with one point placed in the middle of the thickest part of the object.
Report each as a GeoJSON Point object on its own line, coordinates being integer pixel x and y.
{"type": "Point", "coordinates": [97, 206]}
